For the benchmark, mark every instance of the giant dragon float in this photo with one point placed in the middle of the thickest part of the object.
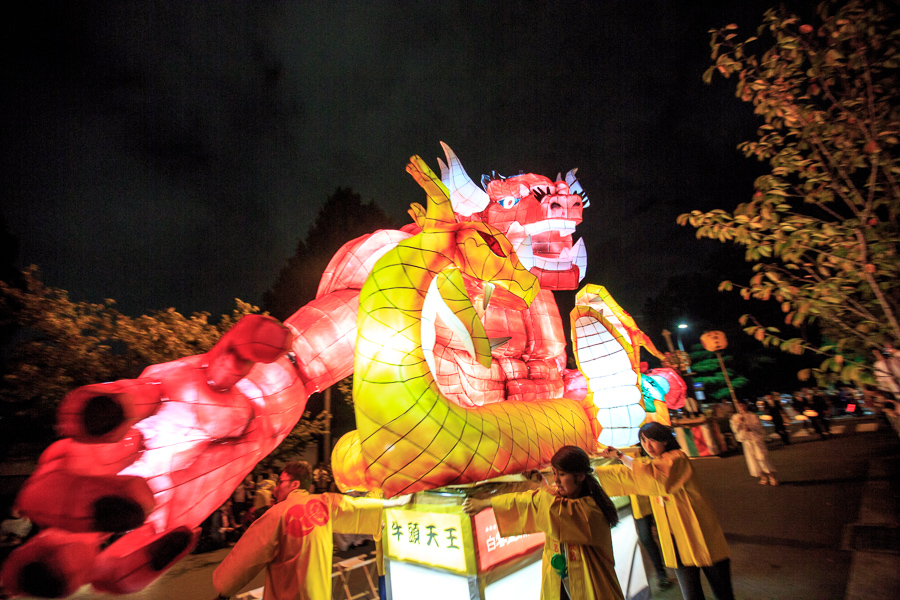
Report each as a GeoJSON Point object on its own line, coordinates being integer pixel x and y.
{"type": "Point", "coordinates": [456, 347]}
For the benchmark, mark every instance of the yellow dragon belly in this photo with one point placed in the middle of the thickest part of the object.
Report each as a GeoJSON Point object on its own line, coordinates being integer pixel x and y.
{"type": "Point", "coordinates": [409, 436]}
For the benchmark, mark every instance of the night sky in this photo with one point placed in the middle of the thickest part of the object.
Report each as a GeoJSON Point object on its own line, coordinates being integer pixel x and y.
{"type": "Point", "coordinates": [173, 156]}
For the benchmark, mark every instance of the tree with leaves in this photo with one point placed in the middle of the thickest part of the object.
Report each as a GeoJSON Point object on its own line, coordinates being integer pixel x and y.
{"type": "Point", "coordinates": [342, 218]}
{"type": "Point", "coordinates": [822, 225]}
{"type": "Point", "coordinates": [66, 344]}
{"type": "Point", "coordinates": [708, 371]}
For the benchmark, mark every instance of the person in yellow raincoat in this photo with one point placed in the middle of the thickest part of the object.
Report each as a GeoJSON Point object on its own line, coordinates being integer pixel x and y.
{"type": "Point", "coordinates": [689, 533]}
{"type": "Point", "coordinates": [575, 518]}
{"type": "Point", "coordinates": [642, 512]}
{"type": "Point", "coordinates": [293, 539]}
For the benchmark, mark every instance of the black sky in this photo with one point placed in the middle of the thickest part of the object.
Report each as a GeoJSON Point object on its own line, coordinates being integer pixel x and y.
{"type": "Point", "coordinates": [172, 154]}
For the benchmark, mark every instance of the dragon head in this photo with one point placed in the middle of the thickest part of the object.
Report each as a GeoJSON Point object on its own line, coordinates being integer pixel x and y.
{"type": "Point", "coordinates": [537, 215]}
{"type": "Point", "coordinates": [481, 267]}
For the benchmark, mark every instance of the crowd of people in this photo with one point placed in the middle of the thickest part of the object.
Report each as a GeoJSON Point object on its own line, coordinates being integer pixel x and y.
{"type": "Point", "coordinates": [249, 501]}
{"type": "Point", "coordinates": [811, 407]}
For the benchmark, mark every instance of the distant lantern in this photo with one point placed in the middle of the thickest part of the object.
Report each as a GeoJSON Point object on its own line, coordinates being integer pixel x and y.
{"type": "Point", "coordinates": [713, 341]}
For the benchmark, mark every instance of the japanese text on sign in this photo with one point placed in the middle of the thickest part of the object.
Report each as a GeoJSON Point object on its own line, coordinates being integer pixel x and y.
{"type": "Point", "coordinates": [431, 538]}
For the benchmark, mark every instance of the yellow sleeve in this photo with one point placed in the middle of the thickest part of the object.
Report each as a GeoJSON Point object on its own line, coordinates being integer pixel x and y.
{"type": "Point", "coordinates": [355, 515]}
{"type": "Point", "coordinates": [569, 521]}
{"type": "Point", "coordinates": [658, 477]}
{"type": "Point", "coordinates": [664, 475]}
{"type": "Point", "coordinates": [617, 480]}
{"type": "Point", "coordinates": [518, 514]}
{"type": "Point", "coordinates": [255, 550]}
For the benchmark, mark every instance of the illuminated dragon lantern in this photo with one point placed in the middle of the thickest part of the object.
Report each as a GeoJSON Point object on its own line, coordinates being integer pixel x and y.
{"type": "Point", "coordinates": [537, 215]}
{"type": "Point", "coordinates": [459, 363]}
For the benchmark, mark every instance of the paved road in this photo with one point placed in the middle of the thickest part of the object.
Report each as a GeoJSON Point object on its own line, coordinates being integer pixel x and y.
{"type": "Point", "coordinates": [785, 541]}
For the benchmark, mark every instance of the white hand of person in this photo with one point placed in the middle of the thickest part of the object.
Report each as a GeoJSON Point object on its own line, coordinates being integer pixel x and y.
{"type": "Point", "coordinates": [398, 501]}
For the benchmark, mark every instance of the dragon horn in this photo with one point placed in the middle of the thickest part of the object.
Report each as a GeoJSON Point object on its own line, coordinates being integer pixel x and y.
{"type": "Point", "coordinates": [466, 197]}
{"type": "Point", "coordinates": [439, 212]}
{"type": "Point", "coordinates": [575, 186]}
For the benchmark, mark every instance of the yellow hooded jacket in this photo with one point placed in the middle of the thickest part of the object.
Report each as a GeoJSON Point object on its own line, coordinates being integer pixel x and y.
{"type": "Point", "coordinates": [580, 525]}
{"type": "Point", "coordinates": [680, 511]}
{"type": "Point", "coordinates": [263, 495]}
{"type": "Point", "coordinates": [293, 542]}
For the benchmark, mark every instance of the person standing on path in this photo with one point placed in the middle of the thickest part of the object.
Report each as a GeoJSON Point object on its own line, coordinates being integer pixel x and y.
{"type": "Point", "coordinates": [772, 406]}
{"type": "Point", "coordinates": [748, 430]}
{"type": "Point", "coordinates": [576, 518]}
{"type": "Point", "coordinates": [292, 541]}
{"type": "Point", "coordinates": [689, 532]}
{"type": "Point", "coordinates": [643, 524]}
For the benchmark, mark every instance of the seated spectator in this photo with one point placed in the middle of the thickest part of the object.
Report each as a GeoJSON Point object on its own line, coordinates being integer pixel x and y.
{"type": "Point", "coordinates": [16, 528]}
{"type": "Point", "coordinates": [263, 496]}
{"type": "Point", "coordinates": [224, 528]}
{"type": "Point", "coordinates": [241, 497]}
{"type": "Point", "coordinates": [321, 478]}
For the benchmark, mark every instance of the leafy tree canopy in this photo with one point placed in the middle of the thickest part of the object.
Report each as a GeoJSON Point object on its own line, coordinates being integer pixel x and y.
{"type": "Point", "coordinates": [63, 344]}
{"type": "Point", "coordinates": [708, 371]}
{"type": "Point", "coordinates": [822, 225]}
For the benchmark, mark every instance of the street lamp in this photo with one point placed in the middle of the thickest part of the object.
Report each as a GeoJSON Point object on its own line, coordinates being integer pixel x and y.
{"type": "Point", "coordinates": [688, 374]}
{"type": "Point", "coordinates": [680, 345]}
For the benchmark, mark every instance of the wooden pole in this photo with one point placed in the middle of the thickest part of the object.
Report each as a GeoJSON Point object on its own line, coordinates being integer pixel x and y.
{"type": "Point", "coordinates": [668, 335]}
{"type": "Point", "coordinates": [734, 399]}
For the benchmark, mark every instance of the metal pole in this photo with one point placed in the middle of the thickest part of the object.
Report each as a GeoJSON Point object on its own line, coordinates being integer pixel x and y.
{"type": "Point", "coordinates": [327, 437]}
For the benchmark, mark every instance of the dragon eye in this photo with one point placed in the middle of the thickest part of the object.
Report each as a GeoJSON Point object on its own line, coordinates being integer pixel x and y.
{"type": "Point", "coordinates": [508, 201]}
{"type": "Point", "coordinates": [492, 243]}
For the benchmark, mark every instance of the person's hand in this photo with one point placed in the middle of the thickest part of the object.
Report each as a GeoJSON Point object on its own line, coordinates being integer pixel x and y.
{"type": "Point", "coordinates": [610, 452]}
{"type": "Point", "coordinates": [473, 506]}
{"type": "Point", "coordinates": [536, 476]}
{"type": "Point", "coordinates": [398, 501]}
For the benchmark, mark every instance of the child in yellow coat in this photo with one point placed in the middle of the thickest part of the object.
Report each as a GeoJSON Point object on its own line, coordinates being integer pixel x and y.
{"type": "Point", "coordinates": [689, 533]}
{"type": "Point", "coordinates": [575, 518]}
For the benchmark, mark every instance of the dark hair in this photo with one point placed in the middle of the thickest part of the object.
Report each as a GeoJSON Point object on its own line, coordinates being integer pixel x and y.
{"type": "Point", "coordinates": [659, 433]}
{"type": "Point", "coordinates": [299, 470]}
{"type": "Point", "coordinates": [572, 459]}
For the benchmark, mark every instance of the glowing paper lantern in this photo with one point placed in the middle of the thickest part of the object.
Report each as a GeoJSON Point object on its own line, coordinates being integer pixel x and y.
{"type": "Point", "coordinates": [713, 341]}
{"type": "Point", "coordinates": [675, 397]}
{"type": "Point", "coordinates": [653, 388]}
{"type": "Point", "coordinates": [607, 345]}
{"type": "Point", "coordinates": [411, 436]}
{"type": "Point", "coordinates": [537, 215]}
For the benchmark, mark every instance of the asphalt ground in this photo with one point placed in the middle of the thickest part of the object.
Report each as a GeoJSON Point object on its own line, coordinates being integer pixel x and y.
{"type": "Point", "coordinates": [786, 541]}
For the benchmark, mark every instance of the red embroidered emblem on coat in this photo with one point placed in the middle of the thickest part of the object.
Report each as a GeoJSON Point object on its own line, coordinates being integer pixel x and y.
{"type": "Point", "coordinates": [303, 518]}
